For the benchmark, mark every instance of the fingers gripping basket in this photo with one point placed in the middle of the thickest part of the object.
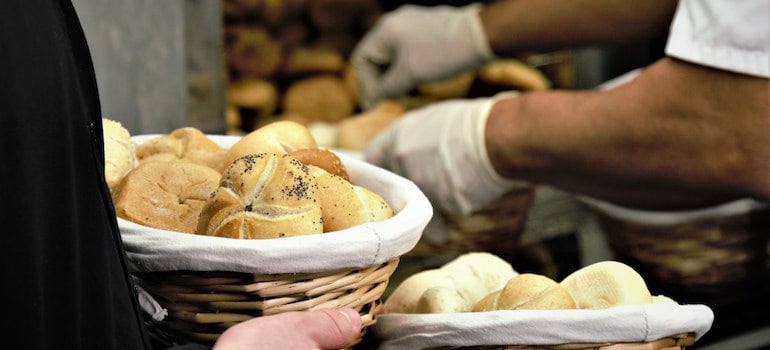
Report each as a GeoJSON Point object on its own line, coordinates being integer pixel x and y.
{"type": "Point", "coordinates": [197, 286]}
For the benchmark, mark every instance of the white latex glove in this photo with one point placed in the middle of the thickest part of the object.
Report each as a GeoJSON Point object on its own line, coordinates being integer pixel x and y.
{"type": "Point", "coordinates": [442, 149]}
{"type": "Point", "coordinates": [416, 45]}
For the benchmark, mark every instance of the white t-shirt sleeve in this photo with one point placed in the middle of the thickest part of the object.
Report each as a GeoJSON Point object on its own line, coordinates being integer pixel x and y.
{"type": "Point", "coordinates": [725, 34]}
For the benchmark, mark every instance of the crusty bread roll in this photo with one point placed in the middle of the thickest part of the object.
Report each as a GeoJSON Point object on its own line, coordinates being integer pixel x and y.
{"type": "Point", "coordinates": [324, 159]}
{"type": "Point", "coordinates": [489, 271]}
{"type": "Point", "coordinates": [279, 137]}
{"type": "Point", "coordinates": [119, 152]}
{"type": "Point", "coordinates": [323, 97]}
{"type": "Point", "coordinates": [514, 74]}
{"type": "Point", "coordinates": [262, 196]}
{"type": "Point", "coordinates": [530, 291]}
{"type": "Point", "coordinates": [605, 284]}
{"type": "Point", "coordinates": [356, 132]}
{"type": "Point", "coordinates": [344, 204]}
{"type": "Point", "coordinates": [186, 143]}
{"type": "Point", "coordinates": [166, 195]}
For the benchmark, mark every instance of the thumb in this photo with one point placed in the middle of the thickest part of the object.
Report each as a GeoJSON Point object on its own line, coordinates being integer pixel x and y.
{"type": "Point", "coordinates": [333, 328]}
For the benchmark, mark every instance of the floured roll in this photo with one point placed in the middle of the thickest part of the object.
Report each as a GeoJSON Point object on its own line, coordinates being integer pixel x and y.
{"type": "Point", "coordinates": [165, 195]}
{"type": "Point", "coordinates": [529, 291]}
{"type": "Point", "coordinates": [185, 143]}
{"type": "Point", "coordinates": [404, 298]}
{"type": "Point", "coordinates": [119, 152]}
{"type": "Point", "coordinates": [607, 284]}
{"type": "Point", "coordinates": [279, 137]}
{"type": "Point", "coordinates": [263, 196]}
{"type": "Point", "coordinates": [440, 300]}
{"type": "Point", "coordinates": [344, 204]}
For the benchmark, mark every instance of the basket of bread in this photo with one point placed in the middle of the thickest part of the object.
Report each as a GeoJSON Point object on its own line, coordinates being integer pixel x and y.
{"type": "Point", "coordinates": [478, 301]}
{"type": "Point", "coordinates": [220, 229]}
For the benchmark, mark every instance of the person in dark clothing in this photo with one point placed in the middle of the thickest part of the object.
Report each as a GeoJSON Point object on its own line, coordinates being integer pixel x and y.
{"type": "Point", "coordinates": [65, 278]}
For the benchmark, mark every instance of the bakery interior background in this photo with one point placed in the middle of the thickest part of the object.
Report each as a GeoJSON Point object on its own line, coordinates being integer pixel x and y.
{"type": "Point", "coordinates": [229, 66]}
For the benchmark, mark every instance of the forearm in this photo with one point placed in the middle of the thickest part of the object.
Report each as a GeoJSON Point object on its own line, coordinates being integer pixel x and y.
{"type": "Point", "coordinates": [679, 136]}
{"type": "Point", "coordinates": [516, 26]}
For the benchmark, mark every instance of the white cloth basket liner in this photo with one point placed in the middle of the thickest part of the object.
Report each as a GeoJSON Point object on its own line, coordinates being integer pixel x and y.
{"type": "Point", "coordinates": [632, 323]}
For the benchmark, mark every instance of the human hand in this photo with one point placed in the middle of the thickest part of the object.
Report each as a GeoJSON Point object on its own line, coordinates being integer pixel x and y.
{"type": "Point", "coordinates": [313, 330]}
{"type": "Point", "coordinates": [442, 149]}
{"type": "Point", "coordinates": [416, 45]}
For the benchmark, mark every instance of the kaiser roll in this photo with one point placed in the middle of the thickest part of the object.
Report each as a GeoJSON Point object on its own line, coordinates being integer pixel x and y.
{"type": "Point", "coordinates": [187, 143]}
{"type": "Point", "coordinates": [165, 195]}
{"type": "Point", "coordinates": [263, 195]}
{"type": "Point", "coordinates": [278, 137]}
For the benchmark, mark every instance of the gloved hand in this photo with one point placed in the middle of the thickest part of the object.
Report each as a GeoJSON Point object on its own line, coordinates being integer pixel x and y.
{"type": "Point", "coordinates": [416, 45]}
{"type": "Point", "coordinates": [442, 149]}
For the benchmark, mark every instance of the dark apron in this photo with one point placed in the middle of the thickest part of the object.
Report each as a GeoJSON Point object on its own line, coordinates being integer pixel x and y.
{"type": "Point", "coordinates": [64, 277]}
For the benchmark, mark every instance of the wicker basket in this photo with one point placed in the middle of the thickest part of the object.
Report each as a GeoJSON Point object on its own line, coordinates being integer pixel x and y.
{"type": "Point", "coordinates": [198, 286]}
{"type": "Point", "coordinates": [202, 305]}
{"type": "Point", "coordinates": [495, 229]}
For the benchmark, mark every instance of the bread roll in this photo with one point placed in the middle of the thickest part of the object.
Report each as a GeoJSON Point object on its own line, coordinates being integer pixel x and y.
{"type": "Point", "coordinates": [262, 196]}
{"type": "Point", "coordinates": [441, 299]}
{"type": "Point", "coordinates": [253, 93]}
{"type": "Point", "coordinates": [607, 284]}
{"type": "Point", "coordinates": [356, 132]}
{"type": "Point", "coordinates": [187, 143]}
{"type": "Point", "coordinates": [470, 277]}
{"type": "Point", "coordinates": [279, 137]}
{"type": "Point", "coordinates": [405, 296]}
{"type": "Point", "coordinates": [515, 74]}
{"type": "Point", "coordinates": [319, 98]}
{"type": "Point", "coordinates": [323, 159]}
{"type": "Point", "coordinates": [345, 205]}
{"type": "Point", "coordinates": [662, 299]}
{"type": "Point", "coordinates": [533, 292]}
{"type": "Point", "coordinates": [119, 152]}
{"type": "Point", "coordinates": [165, 195]}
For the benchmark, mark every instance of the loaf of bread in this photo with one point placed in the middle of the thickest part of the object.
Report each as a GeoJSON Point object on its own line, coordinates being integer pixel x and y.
{"type": "Point", "coordinates": [280, 137]}
{"type": "Point", "coordinates": [187, 143]}
{"type": "Point", "coordinates": [119, 152]}
{"type": "Point", "coordinates": [454, 287]}
{"type": "Point", "coordinates": [528, 291]}
{"type": "Point", "coordinates": [606, 284]}
{"type": "Point", "coordinates": [344, 205]}
{"type": "Point", "coordinates": [168, 195]}
{"type": "Point", "coordinates": [261, 196]}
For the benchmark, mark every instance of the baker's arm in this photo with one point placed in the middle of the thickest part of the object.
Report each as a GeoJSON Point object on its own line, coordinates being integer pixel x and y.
{"type": "Point", "coordinates": [516, 26]}
{"type": "Point", "coordinates": [678, 136]}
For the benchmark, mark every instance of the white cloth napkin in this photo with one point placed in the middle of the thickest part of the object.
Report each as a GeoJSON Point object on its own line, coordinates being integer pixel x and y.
{"type": "Point", "coordinates": [150, 249]}
{"type": "Point", "coordinates": [633, 323]}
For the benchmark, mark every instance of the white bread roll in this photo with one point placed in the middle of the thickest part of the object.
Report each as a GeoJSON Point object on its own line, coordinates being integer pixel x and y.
{"type": "Point", "coordinates": [607, 284]}
{"type": "Point", "coordinates": [345, 205]}
{"type": "Point", "coordinates": [404, 298]}
{"type": "Point", "coordinates": [119, 152]}
{"type": "Point", "coordinates": [530, 291]}
{"type": "Point", "coordinates": [441, 299]}
{"type": "Point", "coordinates": [263, 196]}
{"type": "Point", "coordinates": [165, 195]}
{"type": "Point", "coordinates": [323, 159]}
{"type": "Point", "coordinates": [187, 143]}
{"type": "Point", "coordinates": [489, 271]}
{"type": "Point", "coordinates": [470, 276]}
{"type": "Point", "coordinates": [279, 137]}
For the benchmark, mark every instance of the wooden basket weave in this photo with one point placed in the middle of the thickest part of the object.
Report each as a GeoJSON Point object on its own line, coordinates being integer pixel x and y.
{"type": "Point", "coordinates": [201, 305]}
{"type": "Point", "coordinates": [677, 341]}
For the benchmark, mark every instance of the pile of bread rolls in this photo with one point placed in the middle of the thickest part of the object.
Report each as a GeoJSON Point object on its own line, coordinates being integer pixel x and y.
{"type": "Point", "coordinates": [478, 282]}
{"type": "Point", "coordinates": [273, 182]}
